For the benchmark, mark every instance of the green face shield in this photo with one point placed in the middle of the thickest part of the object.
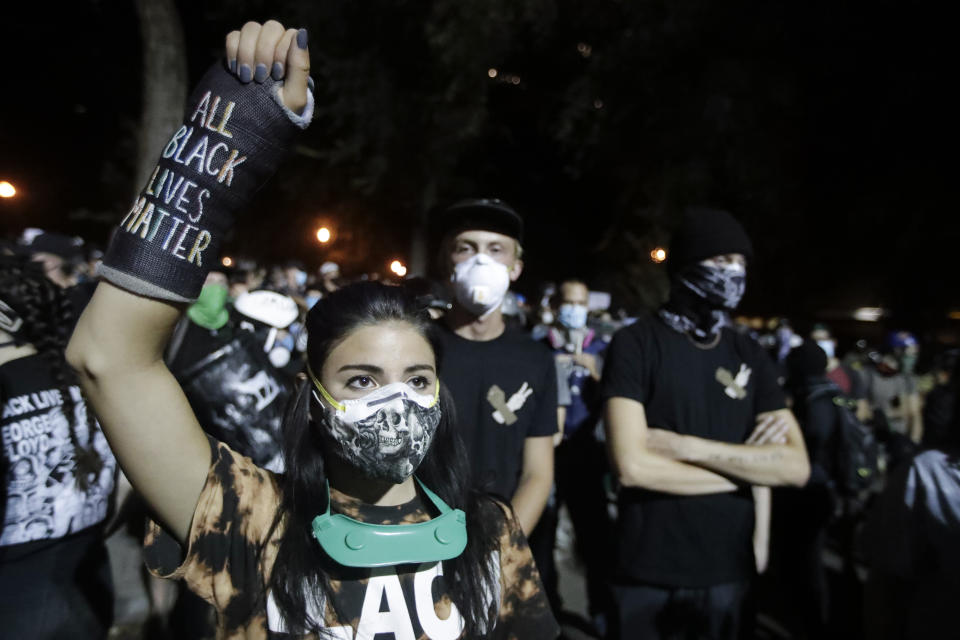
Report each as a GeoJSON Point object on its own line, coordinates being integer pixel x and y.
{"type": "Point", "coordinates": [359, 544]}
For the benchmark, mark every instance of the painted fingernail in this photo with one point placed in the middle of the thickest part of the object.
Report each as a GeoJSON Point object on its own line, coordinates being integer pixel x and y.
{"type": "Point", "coordinates": [245, 75]}
{"type": "Point", "coordinates": [261, 73]}
{"type": "Point", "coordinates": [310, 84]}
{"type": "Point", "coordinates": [277, 71]}
{"type": "Point", "coordinates": [302, 38]}
{"type": "Point", "coordinates": [233, 65]}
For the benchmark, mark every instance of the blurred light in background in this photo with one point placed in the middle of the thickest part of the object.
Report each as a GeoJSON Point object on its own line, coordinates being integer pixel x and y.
{"type": "Point", "coordinates": [868, 314]}
{"type": "Point", "coordinates": [397, 267]}
{"type": "Point", "coordinates": [227, 261]}
{"type": "Point", "coordinates": [323, 235]}
{"type": "Point", "coordinates": [7, 190]}
{"type": "Point", "coordinates": [491, 72]}
{"type": "Point", "coordinates": [658, 255]}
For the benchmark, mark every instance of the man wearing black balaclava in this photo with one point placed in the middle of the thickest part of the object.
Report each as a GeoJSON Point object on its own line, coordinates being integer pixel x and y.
{"type": "Point", "coordinates": [695, 419]}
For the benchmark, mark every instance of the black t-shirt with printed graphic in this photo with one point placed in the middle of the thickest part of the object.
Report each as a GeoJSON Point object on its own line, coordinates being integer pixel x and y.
{"type": "Point", "coordinates": [510, 370]}
{"type": "Point", "coordinates": [54, 571]}
{"type": "Point", "coordinates": [42, 500]}
{"type": "Point", "coordinates": [716, 393]}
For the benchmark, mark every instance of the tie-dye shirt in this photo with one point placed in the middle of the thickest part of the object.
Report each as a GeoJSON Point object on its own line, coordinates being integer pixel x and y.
{"type": "Point", "coordinates": [224, 565]}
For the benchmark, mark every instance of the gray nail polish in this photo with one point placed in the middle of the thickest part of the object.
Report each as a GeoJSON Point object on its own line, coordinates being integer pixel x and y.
{"type": "Point", "coordinates": [261, 73]}
{"type": "Point", "coordinates": [310, 84]}
{"type": "Point", "coordinates": [302, 38]}
{"type": "Point", "coordinates": [245, 74]}
{"type": "Point", "coordinates": [277, 71]}
{"type": "Point", "coordinates": [233, 65]}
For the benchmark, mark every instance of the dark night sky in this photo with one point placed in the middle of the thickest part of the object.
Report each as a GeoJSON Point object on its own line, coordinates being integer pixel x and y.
{"type": "Point", "coordinates": [827, 127]}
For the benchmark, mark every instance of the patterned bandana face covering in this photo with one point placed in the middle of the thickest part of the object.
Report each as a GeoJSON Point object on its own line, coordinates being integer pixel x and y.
{"type": "Point", "coordinates": [718, 288]}
{"type": "Point", "coordinates": [386, 433]}
{"type": "Point", "coordinates": [722, 287]}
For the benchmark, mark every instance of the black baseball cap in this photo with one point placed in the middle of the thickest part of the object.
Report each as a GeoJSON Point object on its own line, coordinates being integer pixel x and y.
{"type": "Point", "coordinates": [483, 214]}
{"type": "Point", "coordinates": [37, 241]}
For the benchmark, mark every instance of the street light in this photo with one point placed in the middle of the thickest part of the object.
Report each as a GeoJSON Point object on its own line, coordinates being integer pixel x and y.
{"type": "Point", "coordinates": [658, 255]}
{"type": "Point", "coordinates": [323, 235]}
{"type": "Point", "coordinates": [7, 190]}
{"type": "Point", "coordinates": [397, 267]}
{"type": "Point", "coordinates": [227, 261]}
{"type": "Point", "coordinates": [869, 314]}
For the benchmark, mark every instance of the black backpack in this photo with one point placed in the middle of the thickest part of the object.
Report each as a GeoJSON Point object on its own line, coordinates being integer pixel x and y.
{"type": "Point", "coordinates": [854, 445]}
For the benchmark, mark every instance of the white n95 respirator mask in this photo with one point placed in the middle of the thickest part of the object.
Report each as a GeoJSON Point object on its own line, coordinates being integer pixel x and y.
{"type": "Point", "coordinates": [480, 284]}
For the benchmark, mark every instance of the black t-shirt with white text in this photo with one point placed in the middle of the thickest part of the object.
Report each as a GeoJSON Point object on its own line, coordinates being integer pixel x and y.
{"type": "Point", "coordinates": [54, 571]}
{"type": "Point", "coordinates": [715, 393]}
{"type": "Point", "coordinates": [505, 391]}
{"type": "Point", "coordinates": [42, 500]}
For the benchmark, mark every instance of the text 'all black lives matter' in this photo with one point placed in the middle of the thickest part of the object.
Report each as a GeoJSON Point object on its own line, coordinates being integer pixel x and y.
{"type": "Point", "coordinates": [170, 208]}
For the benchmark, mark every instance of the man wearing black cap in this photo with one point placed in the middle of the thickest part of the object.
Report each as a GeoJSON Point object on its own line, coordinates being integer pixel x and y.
{"type": "Point", "coordinates": [503, 383]}
{"type": "Point", "coordinates": [55, 251]}
{"type": "Point", "coordinates": [694, 419]}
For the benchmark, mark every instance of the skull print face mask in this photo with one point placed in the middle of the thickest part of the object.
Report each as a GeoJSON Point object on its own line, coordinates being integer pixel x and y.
{"type": "Point", "coordinates": [386, 433]}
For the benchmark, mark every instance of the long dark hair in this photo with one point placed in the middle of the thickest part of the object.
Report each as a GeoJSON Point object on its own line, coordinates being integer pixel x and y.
{"type": "Point", "coordinates": [299, 581]}
{"type": "Point", "coordinates": [48, 320]}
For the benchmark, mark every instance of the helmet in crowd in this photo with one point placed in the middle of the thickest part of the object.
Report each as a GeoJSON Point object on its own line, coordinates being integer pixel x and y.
{"type": "Point", "coordinates": [901, 340]}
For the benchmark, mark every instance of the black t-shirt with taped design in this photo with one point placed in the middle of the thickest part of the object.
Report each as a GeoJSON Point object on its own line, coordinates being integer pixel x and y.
{"type": "Point", "coordinates": [716, 393]}
{"type": "Point", "coordinates": [505, 391]}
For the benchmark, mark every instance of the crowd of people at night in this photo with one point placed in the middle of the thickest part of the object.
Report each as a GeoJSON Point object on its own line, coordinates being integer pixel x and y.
{"type": "Point", "coordinates": [324, 454]}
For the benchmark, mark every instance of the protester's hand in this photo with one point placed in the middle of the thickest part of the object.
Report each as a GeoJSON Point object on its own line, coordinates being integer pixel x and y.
{"type": "Point", "coordinates": [258, 51]}
{"type": "Point", "coordinates": [668, 444]}
{"type": "Point", "coordinates": [589, 361]}
{"type": "Point", "coordinates": [771, 429]}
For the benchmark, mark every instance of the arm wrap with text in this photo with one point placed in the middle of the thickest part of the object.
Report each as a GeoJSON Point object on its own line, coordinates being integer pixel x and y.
{"type": "Point", "coordinates": [232, 139]}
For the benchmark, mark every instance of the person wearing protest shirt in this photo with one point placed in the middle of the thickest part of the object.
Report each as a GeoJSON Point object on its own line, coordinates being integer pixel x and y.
{"type": "Point", "coordinates": [58, 472]}
{"type": "Point", "coordinates": [347, 542]}
{"type": "Point", "coordinates": [504, 384]}
{"type": "Point", "coordinates": [694, 417]}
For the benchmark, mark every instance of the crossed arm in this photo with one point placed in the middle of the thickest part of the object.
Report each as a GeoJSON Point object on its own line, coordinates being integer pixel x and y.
{"type": "Point", "coordinates": [687, 465]}
{"type": "Point", "coordinates": [638, 466]}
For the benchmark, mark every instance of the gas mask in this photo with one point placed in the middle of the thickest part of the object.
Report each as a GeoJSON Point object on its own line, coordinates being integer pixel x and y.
{"type": "Point", "coordinates": [386, 433]}
{"type": "Point", "coordinates": [480, 284]}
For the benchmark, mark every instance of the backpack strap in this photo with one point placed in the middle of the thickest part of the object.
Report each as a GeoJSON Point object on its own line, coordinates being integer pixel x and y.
{"type": "Point", "coordinates": [823, 389]}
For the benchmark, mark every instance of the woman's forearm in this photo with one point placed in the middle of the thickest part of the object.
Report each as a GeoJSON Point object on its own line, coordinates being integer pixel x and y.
{"type": "Point", "coordinates": [117, 353]}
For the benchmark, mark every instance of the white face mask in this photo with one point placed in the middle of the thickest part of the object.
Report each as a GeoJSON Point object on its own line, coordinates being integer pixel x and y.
{"type": "Point", "coordinates": [828, 346]}
{"type": "Point", "coordinates": [480, 284]}
{"type": "Point", "coordinates": [573, 316]}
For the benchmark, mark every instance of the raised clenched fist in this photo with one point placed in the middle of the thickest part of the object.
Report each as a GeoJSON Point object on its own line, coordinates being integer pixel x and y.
{"type": "Point", "coordinates": [257, 51]}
